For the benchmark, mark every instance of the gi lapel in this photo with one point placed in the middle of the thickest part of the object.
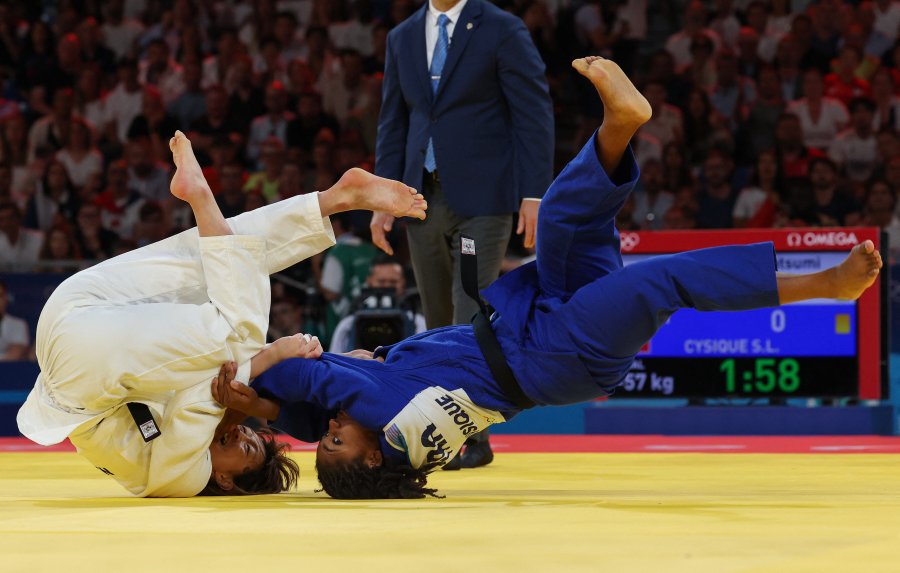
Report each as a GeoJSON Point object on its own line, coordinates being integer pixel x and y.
{"type": "Point", "coordinates": [462, 31]}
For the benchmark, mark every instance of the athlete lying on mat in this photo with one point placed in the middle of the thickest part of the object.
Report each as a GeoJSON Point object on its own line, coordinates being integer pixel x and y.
{"type": "Point", "coordinates": [152, 327]}
{"type": "Point", "coordinates": [569, 326]}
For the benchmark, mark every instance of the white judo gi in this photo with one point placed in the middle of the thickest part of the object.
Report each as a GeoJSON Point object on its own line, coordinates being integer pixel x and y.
{"type": "Point", "coordinates": [154, 326]}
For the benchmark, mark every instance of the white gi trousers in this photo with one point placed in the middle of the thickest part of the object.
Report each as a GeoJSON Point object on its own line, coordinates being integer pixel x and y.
{"type": "Point", "coordinates": [154, 326]}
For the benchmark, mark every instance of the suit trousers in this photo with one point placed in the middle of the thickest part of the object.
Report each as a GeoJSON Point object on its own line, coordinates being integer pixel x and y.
{"type": "Point", "coordinates": [434, 250]}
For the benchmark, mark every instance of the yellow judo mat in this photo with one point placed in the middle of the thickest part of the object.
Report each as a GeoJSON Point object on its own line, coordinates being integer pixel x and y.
{"type": "Point", "coordinates": [630, 512]}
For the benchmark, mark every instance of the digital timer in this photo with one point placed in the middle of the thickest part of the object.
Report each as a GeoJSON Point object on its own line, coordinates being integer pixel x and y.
{"type": "Point", "coordinates": [817, 348]}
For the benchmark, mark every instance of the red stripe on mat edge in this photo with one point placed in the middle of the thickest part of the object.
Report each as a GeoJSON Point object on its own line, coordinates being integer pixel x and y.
{"type": "Point", "coordinates": [546, 443]}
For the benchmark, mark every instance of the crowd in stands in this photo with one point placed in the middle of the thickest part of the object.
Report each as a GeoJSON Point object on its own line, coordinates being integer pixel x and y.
{"type": "Point", "coordinates": [766, 113]}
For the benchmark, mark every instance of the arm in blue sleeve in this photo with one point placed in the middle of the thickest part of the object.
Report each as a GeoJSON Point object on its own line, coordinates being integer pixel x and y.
{"type": "Point", "coordinates": [304, 421]}
{"type": "Point", "coordinates": [332, 382]}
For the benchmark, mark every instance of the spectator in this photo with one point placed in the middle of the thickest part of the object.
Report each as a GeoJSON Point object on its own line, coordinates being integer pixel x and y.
{"type": "Point", "coordinates": [245, 100]}
{"type": "Point", "coordinates": [285, 31]}
{"type": "Point", "coordinates": [666, 123]}
{"type": "Point", "coordinates": [763, 114]}
{"type": "Point", "coordinates": [676, 170]}
{"type": "Point", "coordinates": [878, 210]}
{"type": "Point", "coordinates": [191, 104]}
{"type": "Point", "coordinates": [266, 182]}
{"type": "Point", "coordinates": [291, 182]}
{"type": "Point", "coordinates": [793, 155]}
{"type": "Point", "coordinates": [54, 201]}
{"type": "Point", "coordinates": [147, 176]}
{"type": "Point", "coordinates": [14, 152]}
{"type": "Point", "coordinates": [299, 79]}
{"type": "Point", "coordinates": [50, 133]}
{"type": "Point", "coordinates": [349, 94]}
{"type": "Point", "coordinates": [757, 204]}
{"type": "Point", "coordinates": [154, 124]}
{"type": "Point", "coordinates": [17, 244]}
{"type": "Point", "coordinates": [374, 63]}
{"type": "Point", "coordinates": [94, 241]}
{"type": "Point", "coordinates": [88, 99]}
{"type": "Point", "coordinates": [93, 53]}
{"type": "Point", "coordinates": [123, 103]}
{"type": "Point", "coordinates": [121, 33]}
{"type": "Point", "coordinates": [887, 18]}
{"type": "Point", "coordinates": [733, 94]}
{"type": "Point", "coordinates": [887, 104]}
{"type": "Point", "coordinates": [749, 62]}
{"type": "Point", "coordinates": [119, 204]}
{"type": "Point", "coordinates": [385, 273]}
{"type": "Point", "coordinates": [231, 199]}
{"type": "Point", "coordinates": [272, 124]}
{"type": "Point", "coordinates": [286, 318]}
{"type": "Point", "coordinates": [717, 195]}
{"type": "Point", "coordinates": [38, 55]}
{"type": "Point", "coordinates": [856, 149]}
{"type": "Point", "coordinates": [700, 72]}
{"type": "Point", "coordinates": [757, 16]}
{"type": "Point", "coordinates": [63, 73]}
{"type": "Point", "coordinates": [59, 245]}
{"type": "Point", "coordinates": [215, 124]}
{"type": "Point", "coordinates": [15, 339]}
{"type": "Point", "coordinates": [323, 174]}
{"type": "Point", "coordinates": [832, 205]}
{"type": "Point", "coordinates": [354, 33]}
{"type": "Point", "coordinates": [308, 122]}
{"type": "Point", "coordinates": [344, 272]}
{"type": "Point", "coordinates": [679, 218]}
{"type": "Point", "coordinates": [843, 84]}
{"type": "Point", "coordinates": [725, 24]}
{"type": "Point", "coordinates": [821, 117]}
{"type": "Point", "coordinates": [703, 128]}
{"type": "Point", "coordinates": [151, 225]}
{"type": "Point", "coordinates": [787, 63]}
{"type": "Point", "coordinates": [79, 156]}
{"type": "Point", "coordinates": [680, 44]}
{"type": "Point", "coordinates": [161, 71]}
{"type": "Point", "coordinates": [319, 56]}
{"type": "Point", "coordinates": [651, 199]}
{"type": "Point", "coordinates": [217, 67]}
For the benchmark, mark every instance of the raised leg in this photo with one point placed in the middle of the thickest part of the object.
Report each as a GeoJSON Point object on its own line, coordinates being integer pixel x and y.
{"type": "Point", "coordinates": [577, 239]}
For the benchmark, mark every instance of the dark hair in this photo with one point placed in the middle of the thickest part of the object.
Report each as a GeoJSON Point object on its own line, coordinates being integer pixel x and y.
{"type": "Point", "coordinates": [861, 102]}
{"type": "Point", "coordinates": [277, 473]}
{"type": "Point", "coordinates": [356, 480]}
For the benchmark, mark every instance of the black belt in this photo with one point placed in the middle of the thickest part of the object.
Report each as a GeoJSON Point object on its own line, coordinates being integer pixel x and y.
{"type": "Point", "coordinates": [484, 334]}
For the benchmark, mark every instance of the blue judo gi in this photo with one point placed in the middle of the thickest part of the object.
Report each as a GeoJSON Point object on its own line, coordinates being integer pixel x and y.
{"type": "Point", "coordinates": [570, 325]}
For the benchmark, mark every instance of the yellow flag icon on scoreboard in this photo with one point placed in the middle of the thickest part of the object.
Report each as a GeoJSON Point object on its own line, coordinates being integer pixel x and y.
{"type": "Point", "coordinates": [842, 324]}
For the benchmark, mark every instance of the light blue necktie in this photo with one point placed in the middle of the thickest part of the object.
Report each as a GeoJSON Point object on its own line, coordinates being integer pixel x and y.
{"type": "Point", "coordinates": [437, 66]}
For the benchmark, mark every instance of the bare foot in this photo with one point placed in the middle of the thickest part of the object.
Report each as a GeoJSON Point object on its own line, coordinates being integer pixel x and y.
{"type": "Point", "coordinates": [858, 271]}
{"type": "Point", "coordinates": [188, 183]}
{"type": "Point", "coordinates": [622, 102]}
{"type": "Point", "coordinates": [373, 193]}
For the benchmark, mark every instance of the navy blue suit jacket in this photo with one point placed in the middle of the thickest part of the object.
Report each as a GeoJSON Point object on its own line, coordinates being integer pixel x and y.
{"type": "Point", "coordinates": [491, 120]}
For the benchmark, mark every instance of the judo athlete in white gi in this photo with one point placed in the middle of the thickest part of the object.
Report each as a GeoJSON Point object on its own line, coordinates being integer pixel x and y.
{"type": "Point", "coordinates": [568, 327]}
{"type": "Point", "coordinates": [153, 327]}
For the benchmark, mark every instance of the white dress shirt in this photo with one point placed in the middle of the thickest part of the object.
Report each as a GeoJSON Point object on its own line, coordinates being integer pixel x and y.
{"type": "Point", "coordinates": [431, 26]}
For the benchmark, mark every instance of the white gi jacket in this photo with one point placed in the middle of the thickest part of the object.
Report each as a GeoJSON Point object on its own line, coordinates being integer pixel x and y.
{"type": "Point", "coordinates": [154, 326]}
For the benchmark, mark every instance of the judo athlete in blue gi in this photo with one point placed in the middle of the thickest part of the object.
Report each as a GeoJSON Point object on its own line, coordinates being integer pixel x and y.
{"type": "Point", "coordinates": [569, 326]}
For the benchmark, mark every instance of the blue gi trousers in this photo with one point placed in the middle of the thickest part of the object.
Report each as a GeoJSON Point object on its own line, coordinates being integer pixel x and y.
{"type": "Point", "coordinates": [587, 302]}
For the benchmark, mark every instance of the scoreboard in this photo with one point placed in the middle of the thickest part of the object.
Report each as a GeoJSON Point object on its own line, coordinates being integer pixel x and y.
{"type": "Point", "coordinates": [817, 348]}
